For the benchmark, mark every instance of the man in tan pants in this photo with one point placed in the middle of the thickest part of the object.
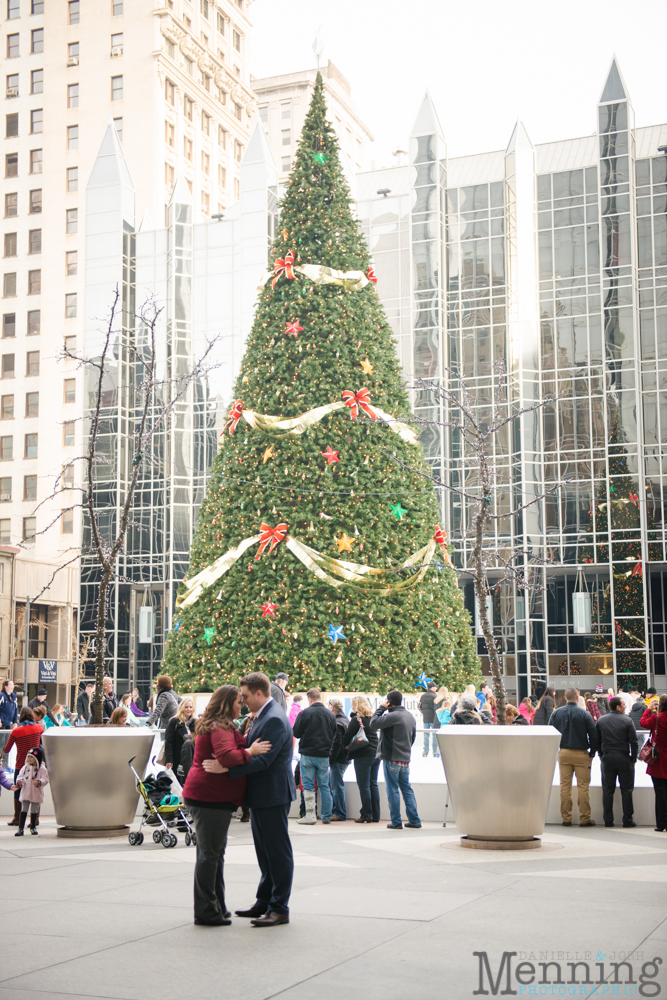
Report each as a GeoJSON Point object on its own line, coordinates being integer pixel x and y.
{"type": "Point", "coordinates": [578, 745]}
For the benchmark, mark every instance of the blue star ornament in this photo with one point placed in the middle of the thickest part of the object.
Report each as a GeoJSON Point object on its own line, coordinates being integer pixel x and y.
{"type": "Point", "coordinates": [423, 681]}
{"type": "Point", "coordinates": [336, 633]}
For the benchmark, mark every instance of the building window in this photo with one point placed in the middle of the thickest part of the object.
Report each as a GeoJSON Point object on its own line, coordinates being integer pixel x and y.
{"type": "Point", "coordinates": [72, 178]}
{"type": "Point", "coordinates": [30, 446]}
{"type": "Point", "coordinates": [222, 95]}
{"type": "Point", "coordinates": [7, 447]}
{"type": "Point", "coordinates": [73, 53]}
{"type": "Point", "coordinates": [35, 201]}
{"type": "Point", "coordinates": [7, 407]}
{"type": "Point", "coordinates": [286, 110]}
{"type": "Point", "coordinates": [37, 40]}
{"type": "Point", "coordinates": [70, 306]}
{"type": "Point", "coordinates": [9, 285]}
{"type": "Point", "coordinates": [73, 137]}
{"type": "Point", "coordinates": [30, 487]}
{"type": "Point", "coordinates": [68, 433]}
{"type": "Point", "coordinates": [206, 84]}
{"type": "Point", "coordinates": [10, 245]}
{"type": "Point", "coordinates": [37, 81]}
{"type": "Point", "coordinates": [37, 7]}
{"type": "Point", "coordinates": [116, 8]}
{"type": "Point", "coordinates": [222, 137]}
{"type": "Point", "coordinates": [189, 66]}
{"type": "Point", "coordinates": [69, 390]}
{"type": "Point", "coordinates": [117, 44]}
{"type": "Point", "coordinates": [13, 9]}
{"type": "Point", "coordinates": [32, 363]}
{"type": "Point", "coordinates": [222, 176]}
{"type": "Point", "coordinates": [34, 322]}
{"type": "Point", "coordinates": [67, 522]}
{"type": "Point", "coordinates": [35, 241]}
{"type": "Point", "coordinates": [68, 477]}
{"type": "Point", "coordinates": [188, 107]}
{"type": "Point", "coordinates": [205, 204]}
{"type": "Point", "coordinates": [206, 163]}
{"type": "Point", "coordinates": [11, 126]}
{"type": "Point", "coordinates": [34, 282]}
{"type": "Point", "coordinates": [71, 263]}
{"type": "Point", "coordinates": [168, 175]}
{"type": "Point", "coordinates": [29, 533]}
{"type": "Point", "coordinates": [12, 46]}
{"type": "Point", "coordinates": [204, 8]}
{"type": "Point", "coordinates": [205, 123]}
{"type": "Point", "coordinates": [237, 40]}
{"type": "Point", "coordinates": [32, 404]}
{"type": "Point", "coordinates": [9, 325]}
{"type": "Point", "coordinates": [73, 95]}
{"type": "Point", "coordinates": [69, 344]}
{"type": "Point", "coordinates": [187, 149]}
{"type": "Point", "coordinates": [169, 134]}
{"type": "Point", "coordinates": [35, 161]}
{"type": "Point", "coordinates": [237, 188]}
{"type": "Point", "coordinates": [238, 112]}
{"type": "Point", "coordinates": [5, 531]}
{"type": "Point", "coordinates": [73, 11]}
{"type": "Point", "coordinates": [37, 121]}
{"type": "Point", "coordinates": [11, 164]}
{"type": "Point", "coordinates": [8, 366]}
{"type": "Point", "coordinates": [263, 113]}
{"type": "Point", "coordinates": [118, 125]}
{"type": "Point", "coordinates": [116, 88]}
{"type": "Point", "coordinates": [12, 89]}
{"type": "Point", "coordinates": [221, 25]}
{"type": "Point", "coordinates": [286, 137]}
{"type": "Point", "coordinates": [5, 489]}
{"type": "Point", "coordinates": [286, 164]}
{"type": "Point", "coordinates": [170, 92]}
{"type": "Point", "coordinates": [72, 220]}
{"type": "Point", "coordinates": [238, 150]}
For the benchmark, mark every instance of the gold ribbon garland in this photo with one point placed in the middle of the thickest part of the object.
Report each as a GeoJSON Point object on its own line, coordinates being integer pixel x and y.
{"type": "Point", "coordinates": [319, 274]}
{"type": "Point", "coordinates": [297, 425]}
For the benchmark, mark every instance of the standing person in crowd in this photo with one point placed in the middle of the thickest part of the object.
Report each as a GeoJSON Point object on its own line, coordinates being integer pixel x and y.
{"type": "Point", "coordinates": [636, 713]}
{"type": "Point", "coordinates": [527, 709]}
{"type": "Point", "coordinates": [514, 717]}
{"type": "Point", "coordinates": [270, 793]}
{"type": "Point", "coordinates": [166, 702]}
{"type": "Point", "coordinates": [24, 736]}
{"type": "Point", "coordinates": [466, 713]}
{"type": "Point", "coordinates": [40, 702]}
{"type": "Point", "coordinates": [338, 762]}
{"type": "Point", "coordinates": [578, 746]}
{"type": "Point", "coordinates": [545, 707]}
{"type": "Point", "coordinates": [398, 730]}
{"type": "Point", "coordinates": [626, 698]}
{"type": "Point", "coordinates": [618, 753]}
{"type": "Point", "coordinates": [295, 708]}
{"type": "Point", "coordinates": [118, 717]}
{"type": "Point", "coordinates": [315, 729]}
{"type": "Point", "coordinates": [651, 693]}
{"type": "Point", "coordinates": [9, 712]}
{"type": "Point", "coordinates": [213, 797]}
{"type": "Point", "coordinates": [592, 706]}
{"type": "Point", "coordinates": [365, 760]}
{"type": "Point", "coordinates": [39, 713]}
{"type": "Point", "coordinates": [31, 780]}
{"type": "Point", "coordinates": [83, 704]}
{"type": "Point", "coordinates": [126, 703]}
{"type": "Point", "coordinates": [655, 719]}
{"type": "Point", "coordinates": [427, 708]}
{"type": "Point", "coordinates": [137, 704]}
{"type": "Point", "coordinates": [485, 714]}
{"type": "Point", "coordinates": [483, 693]}
{"type": "Point", "coordinates": [443, 712]}
{"type": "Point", "coordinates": [492, 706]}
{"type": "Point", "coordinates": [179, 729]}
{"type": "Point", "coordinates": [109, 700]}
{"type": "Point", "coordinates": [60, 717]}
{"type": "Point", "coordinates": [278, 690]}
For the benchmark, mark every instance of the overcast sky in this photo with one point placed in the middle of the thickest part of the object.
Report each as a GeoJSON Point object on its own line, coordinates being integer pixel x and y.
{"type": "Point", "coordinates": [485, 63]}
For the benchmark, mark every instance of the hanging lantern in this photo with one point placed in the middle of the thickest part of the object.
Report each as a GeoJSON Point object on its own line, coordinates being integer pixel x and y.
{"type": "Point", "coordinates": [581, 607]}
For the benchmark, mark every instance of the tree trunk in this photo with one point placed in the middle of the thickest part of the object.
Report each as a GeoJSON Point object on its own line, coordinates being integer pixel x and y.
{"type": "Point", "coordinates": [100, 648]}
{"type": "Point", "coordinates": [481, 591]}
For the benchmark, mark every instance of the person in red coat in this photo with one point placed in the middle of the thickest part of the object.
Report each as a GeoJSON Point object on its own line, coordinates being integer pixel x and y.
{"type": "Point", "coordinates": [212, 798]}
{"type": "Point", "coordinates": [26, 735]}
{"type": "Point", "coordinates": [656, 721]}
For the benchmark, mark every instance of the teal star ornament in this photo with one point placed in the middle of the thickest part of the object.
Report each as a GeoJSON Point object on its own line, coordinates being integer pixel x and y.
{"type": "Point", "coordinates": [208, 634]}
{"type": "Point", "coordinates": [335, 633]}
{"type": "Point", "coordinates": [319, 157]}
{"type": "Point", "coordinates": [397, 510]}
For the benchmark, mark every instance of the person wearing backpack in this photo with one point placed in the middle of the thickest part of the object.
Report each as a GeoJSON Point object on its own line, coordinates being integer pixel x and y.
{"type": "Point", "coordinates": [363, 756]}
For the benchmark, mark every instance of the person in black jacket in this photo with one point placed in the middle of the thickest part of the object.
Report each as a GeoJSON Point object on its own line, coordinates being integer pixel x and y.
{"type": "Point", "coordinates": [42, 702]}
{"type": "Point", "coordinates": [315, 728]}
{"type": "Point", "coordinates": [618, 751]}
{"type": "Point", "coordinates": [578, 745]}
{"type": "Point", "coordinates": [427, 708]}
{"type": "Point", "coordinates": [179, 729]}
{"type": "Point", "coordinates": [636, 713]}
{"type": "Point", "coordinates": [545, 707]}
{"type": "Point", "coordinates": [398, 729]}
{"type": "Point", "coordinates": [109, 699]}
{"type": "Point", "coordinates": [365, 760]}
{"type": "Point", "coordinates": [338, 762]}
{"type": "Point", "coordinates": [83, 704]}
{"type": "Point", "coordinates": [278, 690]}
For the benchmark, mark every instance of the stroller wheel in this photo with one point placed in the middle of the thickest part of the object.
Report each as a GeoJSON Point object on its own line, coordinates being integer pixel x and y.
{"type": "Point", "coordinates": [188, 839]}
{"type": "Point", "coordinates": [133, 838]}
{"type": "Point", "coordinates": [157, 836]}
{"type": "Point", "coordinates": [140, 839]}
{"type": "Point", "coordinates": [174, 840]}
{"type": "Point", "coordinates": [193, 838]}
{"type": "Point", "coordinates": [168, 839]}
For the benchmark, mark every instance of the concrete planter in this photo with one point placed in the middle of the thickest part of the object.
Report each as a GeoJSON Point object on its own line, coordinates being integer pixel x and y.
{"type": "Point", "coordinates": [92, 787]}
{"type": "Point", "coordinates": [499, 780]}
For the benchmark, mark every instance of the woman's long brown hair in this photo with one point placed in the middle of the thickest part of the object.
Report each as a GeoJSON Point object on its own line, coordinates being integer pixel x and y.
{"type": "Point", "coordinates": [219, 711]}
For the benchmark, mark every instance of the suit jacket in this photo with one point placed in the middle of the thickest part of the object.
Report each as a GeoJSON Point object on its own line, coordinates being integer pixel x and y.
{"type": "Point", "coordinates": [270, 778]}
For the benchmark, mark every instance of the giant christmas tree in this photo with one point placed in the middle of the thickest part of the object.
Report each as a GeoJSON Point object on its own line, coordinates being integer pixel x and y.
{"type": "Point", "coordinates": [316, 552]}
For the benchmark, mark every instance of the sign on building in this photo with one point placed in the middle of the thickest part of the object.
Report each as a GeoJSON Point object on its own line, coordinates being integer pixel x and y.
{"type": "Point", "coordinates": [48, 671]}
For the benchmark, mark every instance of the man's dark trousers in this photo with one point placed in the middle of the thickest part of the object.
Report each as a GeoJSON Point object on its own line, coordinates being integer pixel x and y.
{"type": "Point", "coordinates": [269, 827]}
{"type": "Point", "coordinates": [616, 765]}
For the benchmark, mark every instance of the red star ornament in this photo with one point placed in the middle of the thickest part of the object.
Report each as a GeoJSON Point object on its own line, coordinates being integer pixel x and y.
{"type": "Point", "coordinates": [294, 328]}
{"type": "Point", "coordinates": [269, 609]}
{"type": "Point", "coordinates": [330, 455]}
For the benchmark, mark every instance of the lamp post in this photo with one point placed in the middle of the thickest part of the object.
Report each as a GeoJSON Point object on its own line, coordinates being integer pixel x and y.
{"type": "Point", "coordinates": [25, 651]}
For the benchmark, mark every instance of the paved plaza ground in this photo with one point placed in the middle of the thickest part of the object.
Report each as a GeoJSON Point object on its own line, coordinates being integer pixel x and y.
{"type": "Point", "coordinates": [375, 914]}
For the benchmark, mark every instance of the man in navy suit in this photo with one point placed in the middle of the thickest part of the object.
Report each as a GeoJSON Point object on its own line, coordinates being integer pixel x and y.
{"type": "Point", "coordinates": [269, 795]}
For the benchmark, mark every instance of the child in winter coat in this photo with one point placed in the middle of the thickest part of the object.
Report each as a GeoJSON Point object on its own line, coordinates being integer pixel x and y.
{"type": "Point", "coordinates": [31, 778]}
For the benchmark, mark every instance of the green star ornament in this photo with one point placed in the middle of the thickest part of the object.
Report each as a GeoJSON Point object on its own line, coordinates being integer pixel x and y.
{"type": "Point", "coordinates": [319, 157]}
{"type": "Point", "coordinates": [208, 634]}
{"type": "Point", "coordinates": [397, 510]}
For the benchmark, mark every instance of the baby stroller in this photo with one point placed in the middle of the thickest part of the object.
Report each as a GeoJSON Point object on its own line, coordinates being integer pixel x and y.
{"type": "Point", "coordinates": [161, 810]}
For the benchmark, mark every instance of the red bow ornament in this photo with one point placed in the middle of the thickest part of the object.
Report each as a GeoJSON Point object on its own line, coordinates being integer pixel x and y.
{"type": "Point", "coordinates": [360, 399]}
{"type": "Point", "coordinates": [283, 266]}
{"type": "Point", "coordinates": [633, 498]}
{"type": "Point", "coordinates": [233, 417]}
{"type": "Point", "coordinates": [270, 536]}
{"type": "Point", "coordinates": [637, 569]}
{"type": "Point", "coordinates": [370, 274]}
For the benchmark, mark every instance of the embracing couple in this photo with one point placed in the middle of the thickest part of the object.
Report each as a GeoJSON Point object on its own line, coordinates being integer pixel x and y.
{"type": "Point", "coordinates": [229, 768]}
